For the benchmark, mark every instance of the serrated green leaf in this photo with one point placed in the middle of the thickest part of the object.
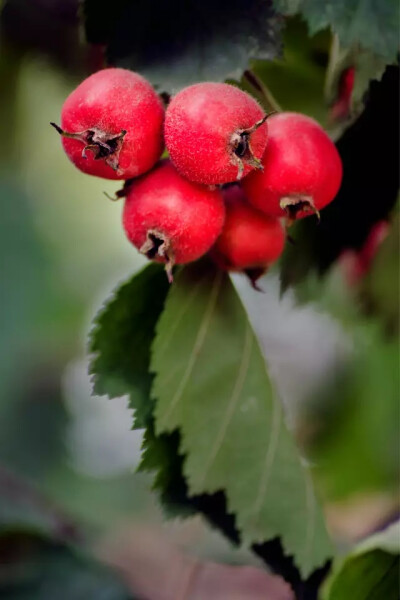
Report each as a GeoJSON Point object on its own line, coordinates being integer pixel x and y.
{"type": "Point", "coordinates": [211, 384]}
{"type": "Point", "coordinates": [370, 572]}
{"type": "Point", "coordinates": [370, 24]}
{"type": "Point", "coordinates": [121, 338]}
{"type": "Point", "coordinates": [178, 43]}
{"type": "Point", "coordinates": [161, 458]}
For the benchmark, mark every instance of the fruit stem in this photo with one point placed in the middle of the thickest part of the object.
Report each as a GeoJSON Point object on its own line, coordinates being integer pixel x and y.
{"type": "Point", "coordinates": [334, 58]}
{"type": "Point", "coordinates": [260, 86]}
{"type": "Point", "coordinates": [120, 193]}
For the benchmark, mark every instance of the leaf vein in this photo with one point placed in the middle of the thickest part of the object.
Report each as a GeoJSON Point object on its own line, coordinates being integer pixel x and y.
{"type": "Point", "coordinates": [201, 335]}
{"type": "Point", "coordinates": [233, 400]}
{"type": "Point", "coordinates": [174, 327]}
{"type": "Point", "coordinates": [276, 426]}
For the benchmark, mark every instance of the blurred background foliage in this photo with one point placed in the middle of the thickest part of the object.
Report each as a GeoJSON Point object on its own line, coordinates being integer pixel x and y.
{"type": "Point", "coordinates": [62, 252]}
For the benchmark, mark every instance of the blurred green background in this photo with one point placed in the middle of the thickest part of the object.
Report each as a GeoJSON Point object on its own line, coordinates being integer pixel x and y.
{"type": "Point", "coordinates": [62, 251]}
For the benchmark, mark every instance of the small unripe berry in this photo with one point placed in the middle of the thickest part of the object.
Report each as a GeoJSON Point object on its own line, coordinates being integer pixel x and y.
{"type": "Point", "coordinates": [302, 169]}
{"type": "Point", "coordinates": [250, 241]}
{"type": "Point", "coordinates": [357, 263]}
{"type": "Point", "coordinates": [341, 108]}
{"type": "Point", "coordinates": [170, 219]}
{"type": "Point", "coordinates": [215, 133]}
{"type": "Point", "coordinates": [111, 125]}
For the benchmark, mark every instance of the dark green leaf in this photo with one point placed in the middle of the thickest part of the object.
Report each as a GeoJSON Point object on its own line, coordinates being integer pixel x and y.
{"type": "Point", "coordinates": [371, 24]}
{"type": "Point", "coordinates": [22, 507]}
{"type": "Point", "coordinates": [161, 457]}
{"type": "Point", "coordinates": [367, 67]}
{"type": "Point", "coordinates": [39, 559]}
{"type": "Point", "coordinates": [212, 385]}
{"type": "Point", "coordinates": [370, 572]}
{"type": "Point", "coordinates": [176, 43]}
{"type": "Point", "coordinates": [302, 68]}
{"type": "Point", "coordinates": [34, 568]}
{"type": "Point", "coordinates": [121, 340]}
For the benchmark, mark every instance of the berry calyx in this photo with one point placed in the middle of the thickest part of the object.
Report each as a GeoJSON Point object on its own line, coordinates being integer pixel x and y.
{"type": "Point", "coordinates": [111, 125]}
{"type": "Point", "coordinates": [302, 169]}
{"type": "Point", "coordinates": [250, 241]}
{"type": "Point", "coordinates": [297, 205]}
{"type": "Point", "coordinates": [102, 144]}
{"type": "Point", "coordinates": [170, 219]}
{"type": "Point", "coordinates": [215, 133]}
{"type": "Point", "coordinates": [242, 152]}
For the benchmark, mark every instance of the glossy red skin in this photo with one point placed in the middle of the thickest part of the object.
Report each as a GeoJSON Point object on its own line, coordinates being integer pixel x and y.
{"type": "Point", "coordinates": [199, 124]}
{"type": "Point", "coordinates": [249, 239]}
{"type": "Point", "coordinates": [300, 160]}
{"type": "Point", "coordinates": [114, 100]}
{"type": "Point", "coordinates": [190, 215]}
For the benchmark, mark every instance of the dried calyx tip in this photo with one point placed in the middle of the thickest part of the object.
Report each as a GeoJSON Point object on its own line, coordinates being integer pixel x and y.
{"type": "Point", "coordinates": [253, 274]}
{"type": "Point", "coordinates": [293, 205]}
{"type": "Point", "coordinates": [242, 152]}
{"type": "Point", "coordinates": [56, 127]}
{"type": "Point", "coordinates": [158, 244]}
{"type": "Point", "coordinates": [103, 145]}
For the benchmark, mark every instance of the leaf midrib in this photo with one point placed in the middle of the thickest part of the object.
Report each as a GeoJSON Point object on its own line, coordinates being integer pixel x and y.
{"type": "Point", "coordinates": [162, 421]}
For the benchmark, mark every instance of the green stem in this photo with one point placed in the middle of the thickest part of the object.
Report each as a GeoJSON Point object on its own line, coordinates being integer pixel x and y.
{"type": "Point", "coordinates": [271, 102]}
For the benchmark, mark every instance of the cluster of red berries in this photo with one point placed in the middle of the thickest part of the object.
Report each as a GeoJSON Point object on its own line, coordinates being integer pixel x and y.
{"type": "Point", "coordinates": [232, 177]}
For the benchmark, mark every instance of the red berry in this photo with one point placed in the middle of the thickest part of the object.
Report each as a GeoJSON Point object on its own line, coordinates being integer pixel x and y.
{"type": "Point", "coordinates": [112, 125]}
{"type": "Point", "coordinates": [250, 241]}
{"type": "Point", "coordinates": [170, 219]}
{"type": "Point", "coordinates": [302, 169]}
{"type": "Point", "coordinates": [215, 133]}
